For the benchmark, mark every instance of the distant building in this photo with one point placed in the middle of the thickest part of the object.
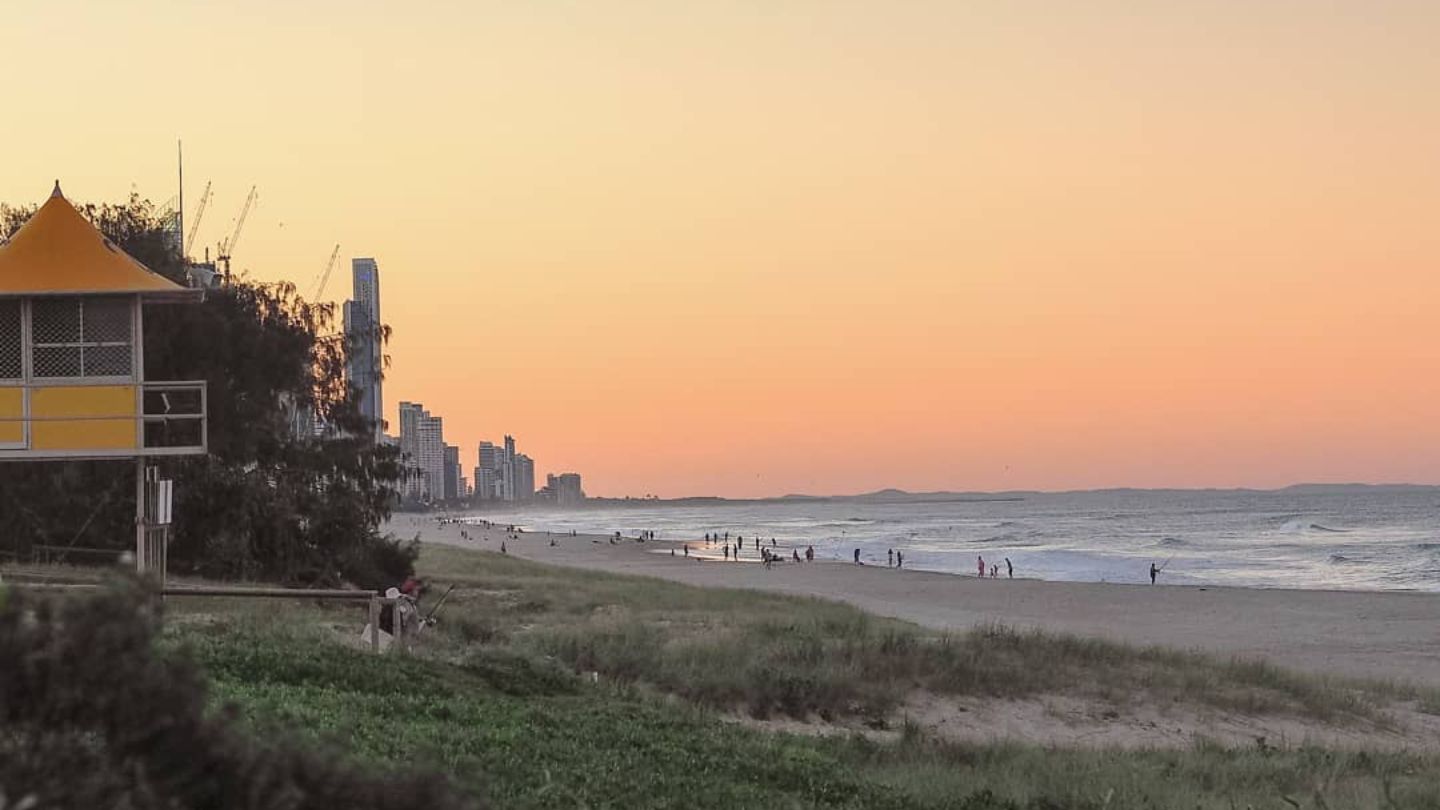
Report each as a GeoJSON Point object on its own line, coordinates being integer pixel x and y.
{"type": "Point", "coordinates": [452, 473]}
{"type": "Point", "coordinates": [422, 448]}
{"type": "Point", "coordinates": [365, 352]}
{"type": "Point", "coordinates": [564, 489]}
{"type": "Point", "coordinates": [412, 487]}
{"type": "Point", "coordinates": [524, 477]}
{"type": "Point", "coordinates": [487, 472]}
{"type": "Point", "coordinates": [432, 455]}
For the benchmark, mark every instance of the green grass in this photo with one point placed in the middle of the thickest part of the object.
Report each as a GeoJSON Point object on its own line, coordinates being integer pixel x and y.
{"type": "Point", "coordinates": [770, 654]}
{"type": "Point", "coordinates": [524, 735]}
{"type": "Point", "coordinates": [500, 699]}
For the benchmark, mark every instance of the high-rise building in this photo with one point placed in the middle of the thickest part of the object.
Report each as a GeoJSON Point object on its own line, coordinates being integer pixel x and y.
{"type": "Point", "coordinates": [432, 455]}
{"type": "Point", "coordinates": [524, 477]}
{"type": "Point", "coordinates": [452, 472]}
{"type": "Point", "coordinates": [422, 448]}
{"type": "Point", "coordinates": [365, 352]}
{"type": "Point", "coordinates": [412, 487]}
{"type": "Point", "coordinates": [565, 489]}
{"type": "Point", "coordinates": [507, 470]}
{"type": "Point", "coordinates": [487, 472]}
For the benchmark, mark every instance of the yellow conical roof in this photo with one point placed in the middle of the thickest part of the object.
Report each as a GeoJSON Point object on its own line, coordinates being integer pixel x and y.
{"type": "Point", "coordinates": [58, 251]}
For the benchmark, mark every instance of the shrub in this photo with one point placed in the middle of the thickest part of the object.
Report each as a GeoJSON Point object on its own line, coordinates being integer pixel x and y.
{"type": "Point", "coordinates": [93, 717]}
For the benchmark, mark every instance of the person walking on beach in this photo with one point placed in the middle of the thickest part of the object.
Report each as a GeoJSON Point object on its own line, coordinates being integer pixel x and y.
{"type": "Point", "coordinates": [899, 559]}
{"type": "Point", "coordinates": [1009, 569]}
{"type": "Point", "coordinates": [980, 565]}
{"type": "Point", "coordinates": [809, 554]}
{"type": "Point", "coordinates": [727, 552]}
{"type": "Point", "coordinates": [890, 558]}
{"type": "Point", "coordinates": [857, 556]}
{"type": "Point", "coordinates": [1153, 573]}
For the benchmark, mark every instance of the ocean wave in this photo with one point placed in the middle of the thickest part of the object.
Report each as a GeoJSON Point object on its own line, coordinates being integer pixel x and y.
{"type": "Point", "coordinates": [1172, 541]}
{"type": "Point", "coordinates": [1340, 559]}
{"type": "Point", "coordinates": [1301, 525]}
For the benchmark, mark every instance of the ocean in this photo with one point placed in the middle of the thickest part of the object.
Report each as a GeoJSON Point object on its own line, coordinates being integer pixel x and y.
{"type": "Point", "coordinates": [1308, 538]}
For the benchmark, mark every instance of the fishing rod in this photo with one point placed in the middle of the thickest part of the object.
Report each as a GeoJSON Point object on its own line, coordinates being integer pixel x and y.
{"type": "Point", "coordinates": [430, 617]}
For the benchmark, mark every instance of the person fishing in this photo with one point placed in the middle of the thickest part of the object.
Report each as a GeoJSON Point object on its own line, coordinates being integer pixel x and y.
{"type": "Point", "coordinates": [1154, 572]}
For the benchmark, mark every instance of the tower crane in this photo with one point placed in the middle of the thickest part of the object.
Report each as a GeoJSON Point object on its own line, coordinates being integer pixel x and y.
{"type": "Point", "coordinates": [199, 212]}
{"type": "Point", "coordinates": [319, 288]}
{"type": "Point", "coordinates": [227, 247]}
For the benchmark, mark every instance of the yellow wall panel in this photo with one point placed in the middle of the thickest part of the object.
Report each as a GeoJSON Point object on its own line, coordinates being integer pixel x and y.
{"type": "Point", "coordinates": [114, 432]}
{"type": "Point", "coordinates": [12, 406]}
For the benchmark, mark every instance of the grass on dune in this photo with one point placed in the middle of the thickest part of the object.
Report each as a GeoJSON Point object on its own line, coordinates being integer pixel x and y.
{"type": "Point", "coordinates": [522, 733]}
{"type": "Point", "coordinates": [774, 654]}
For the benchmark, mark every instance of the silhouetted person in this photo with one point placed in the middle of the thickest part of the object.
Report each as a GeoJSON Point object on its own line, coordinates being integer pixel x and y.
{"type": "Point", "coordinates": [890, 557]}
{"type": "Point", "coordinates": [1009, 569]}
{"type": "Point", "coordinates": [980, 565]}
{"type": "Point", "coordinates": [1153, 573]}
{"type": "Point", "coordinates": [857, 556]}
{"type": "Point", "coordinates": [899, 559]}
{"type": "Point", "coordinates": [809, 554]}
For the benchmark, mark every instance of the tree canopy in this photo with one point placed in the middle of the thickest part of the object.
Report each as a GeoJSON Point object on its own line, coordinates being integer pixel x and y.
{"type": "Point", "coordinates": [273, 500]}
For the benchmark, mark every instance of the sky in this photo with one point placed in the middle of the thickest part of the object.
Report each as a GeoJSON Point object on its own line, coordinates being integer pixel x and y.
{"type": "Point", "coordinates": [753, 248]}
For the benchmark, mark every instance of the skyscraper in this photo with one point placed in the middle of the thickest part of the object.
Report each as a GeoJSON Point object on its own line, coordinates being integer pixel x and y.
{"type": "Point", "coordinates": [432, 455]}
{"type": "Point", "coordinates": [363, 343]}
{"type": "Point", "coordinates": [524, 477]}
{"type": "Point", "coordinates": [487, 472]}
{"type": "Point", "coordinates": [452, 472]}
{"type": "Point", "coordinates": [507, 470]}
{"type": "Point", "coordinates": [416, 487]}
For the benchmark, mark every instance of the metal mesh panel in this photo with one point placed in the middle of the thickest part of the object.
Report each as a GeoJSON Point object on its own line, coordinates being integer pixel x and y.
{"type": "Point", "coordinates": [106, 361]}
{"type": "Point", "coordinates": [54, 320]}
{"type": "Point", "coordinates": [107, 320]}
{"type": "Point", "coordinates": [10, 367]}
{"type": "Point", "coordinates": [57, 361]}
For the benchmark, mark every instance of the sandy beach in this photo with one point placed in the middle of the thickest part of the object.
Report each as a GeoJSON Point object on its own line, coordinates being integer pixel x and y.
{"type": "Point", "coordinates": [1366, 634]}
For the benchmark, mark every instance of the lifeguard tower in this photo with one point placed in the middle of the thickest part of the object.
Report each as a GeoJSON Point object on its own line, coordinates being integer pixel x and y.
{"type": "Point", "coordinates": [72, 365]}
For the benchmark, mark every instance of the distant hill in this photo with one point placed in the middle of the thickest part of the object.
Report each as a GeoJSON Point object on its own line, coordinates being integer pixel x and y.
{"type": "Point", "coordinates": [893, 495]}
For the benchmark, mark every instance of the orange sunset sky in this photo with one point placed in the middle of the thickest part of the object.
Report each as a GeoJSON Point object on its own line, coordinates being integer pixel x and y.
{"type": "Point", "coordinates": [758, 247]}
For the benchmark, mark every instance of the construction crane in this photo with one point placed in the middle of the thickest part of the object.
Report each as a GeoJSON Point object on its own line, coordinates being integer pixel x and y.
{"type": "Point", "coordinates": [199, 212]}
{"type": "Point", "coordinates": [319, 288]}
{"type": "Point", "coordinates": [227, 247]}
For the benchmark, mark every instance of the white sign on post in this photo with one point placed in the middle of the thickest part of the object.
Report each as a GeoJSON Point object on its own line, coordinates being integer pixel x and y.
{"type": "Point", "coordinates": [164, 495]}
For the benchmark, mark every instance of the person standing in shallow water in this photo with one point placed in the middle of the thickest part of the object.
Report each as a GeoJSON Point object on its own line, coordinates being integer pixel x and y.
{"type": "Point", "coordinates": [1009, 569]}
{"type": "Point", "coordinates": [1153, 573]}
{"type": "Point", "coordinates": [857, 556]}
{"type": "Point", "coordinates": [980, 566]}
{"type": "Point", "coordinates": [890, 557]}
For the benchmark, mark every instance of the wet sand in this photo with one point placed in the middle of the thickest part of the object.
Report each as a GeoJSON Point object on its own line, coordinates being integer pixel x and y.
{"type": "Point", "coordinates": [1366, 634]}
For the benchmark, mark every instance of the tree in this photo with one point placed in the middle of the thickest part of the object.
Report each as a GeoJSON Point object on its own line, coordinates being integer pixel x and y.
{"type": "Point", "coordinates": [270, 501]}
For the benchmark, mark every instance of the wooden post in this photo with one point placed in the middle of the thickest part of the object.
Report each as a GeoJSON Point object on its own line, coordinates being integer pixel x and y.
{"type": "Point", "coordinates": [375, 624]}
{"type": "Point", "coordinates": [140, 514]}
{"type": "Point", "coordinates": [399, 624]}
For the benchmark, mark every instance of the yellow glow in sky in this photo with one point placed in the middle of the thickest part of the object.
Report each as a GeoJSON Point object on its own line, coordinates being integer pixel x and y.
{"type": "Point", "coordinates": [751, 248]}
